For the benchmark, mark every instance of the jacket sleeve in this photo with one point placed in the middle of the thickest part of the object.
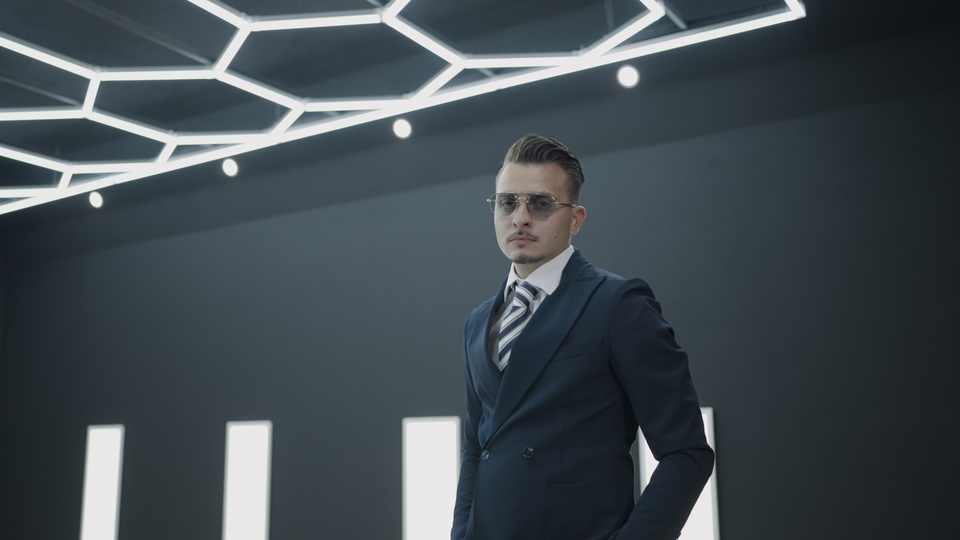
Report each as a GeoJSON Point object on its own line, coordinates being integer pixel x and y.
{"type": "Point", "coordinates": [470, 454]}
{"type": "Point", "coordinates": [653, 371]}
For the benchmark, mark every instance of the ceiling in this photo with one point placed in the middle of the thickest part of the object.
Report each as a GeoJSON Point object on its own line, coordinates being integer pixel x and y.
{"type": "Point", "coordinates": [99, 92]}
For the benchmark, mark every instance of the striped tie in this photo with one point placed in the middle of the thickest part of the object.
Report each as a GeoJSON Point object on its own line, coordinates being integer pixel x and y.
{"type": "Point", "coordinates": [515, 320]}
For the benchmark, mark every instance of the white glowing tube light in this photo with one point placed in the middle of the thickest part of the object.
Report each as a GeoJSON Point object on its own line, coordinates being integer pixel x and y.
{"type": "Point", "coordinates": [431, 467]}
{"type": "Point", "coordinates": [704, 523]}
{"type": "Point", "coordinates": [328, 105]}
{"type": "Point", "coordinates": [315, 21]}
{"type": "Point", "coordinates": [797, 7]}
{"type": "Point", "coordinates": [629, 30]}
{"type": "Point", "coordinates": [423, 39]}
{"type": "Point", "coordinates": [32, 159]}
{"type": "Point", "coordinates": [26, 114]}
{"type": "Point", "coordinates": [528, 77]}
{"type": "Point", "coordinates": [101, 483]}
{"type": "Point", "coordinates": [120, 178]}
{"type": "Point", "coordinates": [166, 152]}
{"type": "Point", "coordinates": [698, 35]}
{"type": "Point", "coordinates": [136, 128]}
{"type": "Point", "coordinates": [516, 61]}
{"type": "Point", "coordinates": [92, 89]}
{"type": "Point", "coordinates": [464, 92]}
{"type": "Point", "coordinates": [210, 139]}
{"type": "Point", "coordinates": [343, 122]}
{"type": "Point", "coordinates": [258, 89]}
{"type": "Point", "coordinates": [231, 51]}
{"type": "Point", "coordinates": [654, 6]}
{"type": "Point", "coordinates": [287, 121]}
{"type": "Point", "coordinates": [438, 82]}
{"type": "Point", "coordinates": [246, 499]}
{"type": "Point", "coordinates": [166, 74]}
{"type": "Point", "coordinates": [53, 59]}
{"type": "Point", "coordinates": [221, 11]}
{"type": "Point", "coordinates": [20, 193]}
{"type": "Point", "coordinates": [394, 8]}
{"type": "Point", "coordinates": [93, 167]}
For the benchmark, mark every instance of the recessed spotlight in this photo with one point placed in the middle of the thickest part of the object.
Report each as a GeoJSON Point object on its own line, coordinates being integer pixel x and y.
{"type": "Point", "coordinates": [96, 200]}
{"type": "Point", "coordinates": [402, 128]}
{"type": "Point", "coordinates": [230, 167]}
{"type": "Point", "coordinates": [628, 76]}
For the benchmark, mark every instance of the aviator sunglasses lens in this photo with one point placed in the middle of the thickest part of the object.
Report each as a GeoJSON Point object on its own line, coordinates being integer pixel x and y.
{"type": "Point", "coordinates": [540, 206]}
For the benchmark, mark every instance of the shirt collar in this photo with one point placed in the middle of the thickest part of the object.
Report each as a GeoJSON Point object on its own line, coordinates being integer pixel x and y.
{"type": "Point", "coordinates": [547, 276]}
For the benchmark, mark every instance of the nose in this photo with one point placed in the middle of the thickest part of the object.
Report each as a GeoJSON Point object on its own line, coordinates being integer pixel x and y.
{"type": "Point", "coordinates": [521, 216]}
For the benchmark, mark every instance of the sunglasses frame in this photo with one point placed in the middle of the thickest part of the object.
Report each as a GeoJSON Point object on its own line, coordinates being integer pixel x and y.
{"type": "Point", "coordinates": [534, 211]}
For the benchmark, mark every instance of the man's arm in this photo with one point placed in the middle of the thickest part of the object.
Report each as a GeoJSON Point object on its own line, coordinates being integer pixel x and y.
{"type": "Point", "coordinates": [469, 458]}
{"type": "Point", "coordinates": [654, 373]}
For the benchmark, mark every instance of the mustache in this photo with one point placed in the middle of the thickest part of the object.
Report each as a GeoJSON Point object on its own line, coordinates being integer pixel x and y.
{"type": "Point", "coordinates": [521, 235]}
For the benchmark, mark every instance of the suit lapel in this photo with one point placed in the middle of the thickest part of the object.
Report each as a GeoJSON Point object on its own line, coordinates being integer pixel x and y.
{"type": "Point", "coordinates": [486, 376]}
{"type": "Point", "coordinates": [542, 336]}
{"type": "Point", "coordinates": [477, 348]}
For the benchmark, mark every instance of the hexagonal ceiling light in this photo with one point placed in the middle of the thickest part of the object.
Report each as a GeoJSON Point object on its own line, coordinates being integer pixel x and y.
{"type": "Point", "coordinates": [618, 45]}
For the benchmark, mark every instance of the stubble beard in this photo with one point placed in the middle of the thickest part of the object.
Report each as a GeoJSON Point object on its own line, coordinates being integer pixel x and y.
{"type": "Point", "coordinates": [527, 259]}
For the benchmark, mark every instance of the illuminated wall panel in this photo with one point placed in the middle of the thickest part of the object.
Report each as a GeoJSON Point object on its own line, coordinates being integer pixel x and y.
{"type": "Point", "coordinates": [101, 483]}
{"type": "Point", "coordinates": [703, 523]}
{"type": "Point", "coordinates": [246, 496]}
{"type": "Point", "coordinates": [431, 465]}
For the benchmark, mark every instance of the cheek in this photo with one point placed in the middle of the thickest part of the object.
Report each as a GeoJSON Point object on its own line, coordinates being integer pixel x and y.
{"type": "Point", "coordinates": [499, 228]}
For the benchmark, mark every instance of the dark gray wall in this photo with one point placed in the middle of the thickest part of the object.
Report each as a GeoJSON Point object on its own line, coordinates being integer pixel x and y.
{"type": "Point", "coordinates": [3, 288]}
{"type": "Point", "coordinates": [805, 253]}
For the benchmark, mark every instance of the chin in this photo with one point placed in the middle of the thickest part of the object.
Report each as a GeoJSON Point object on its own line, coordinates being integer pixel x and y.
{"type": "Point", "coordinates": [526, 258]}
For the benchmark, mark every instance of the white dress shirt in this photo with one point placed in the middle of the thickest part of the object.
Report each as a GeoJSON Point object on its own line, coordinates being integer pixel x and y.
{"type": "Point", "coordinates": [546, 278]}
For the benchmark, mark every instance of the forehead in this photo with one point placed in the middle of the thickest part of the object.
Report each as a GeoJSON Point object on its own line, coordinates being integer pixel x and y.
{"type": "Point", "coordinates": [532, 178]}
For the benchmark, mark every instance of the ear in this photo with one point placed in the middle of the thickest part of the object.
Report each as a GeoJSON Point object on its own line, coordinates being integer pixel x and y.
{"type": "Point", "coordinates": [576, 219]}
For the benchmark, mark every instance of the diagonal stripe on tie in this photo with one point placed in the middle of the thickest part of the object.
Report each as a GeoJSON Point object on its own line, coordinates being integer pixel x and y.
{"type": "Point", "coordinates": [515, 320]}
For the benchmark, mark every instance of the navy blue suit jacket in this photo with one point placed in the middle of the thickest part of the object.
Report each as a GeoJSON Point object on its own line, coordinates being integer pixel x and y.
{"type": "Point", "coordinates": [546, 450]}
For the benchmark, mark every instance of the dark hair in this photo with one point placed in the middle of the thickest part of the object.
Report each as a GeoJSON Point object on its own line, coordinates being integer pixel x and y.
{"type": "Point", "coordinates": [532, 148]}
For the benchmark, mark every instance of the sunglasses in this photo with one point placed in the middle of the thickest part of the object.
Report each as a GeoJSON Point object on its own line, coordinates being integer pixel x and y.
{"type": "Point", "coordinates": [539, 205]}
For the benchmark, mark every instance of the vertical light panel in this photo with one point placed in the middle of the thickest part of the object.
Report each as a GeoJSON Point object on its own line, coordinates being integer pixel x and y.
{"type": "Point", "coordinates": [431, 466]}
{"type": "Point", "coordinates": [101, 483]}
{"type": "Point", "coordinates": [246, 490]}
{"type": "Point", "coordinates": [704, 523]}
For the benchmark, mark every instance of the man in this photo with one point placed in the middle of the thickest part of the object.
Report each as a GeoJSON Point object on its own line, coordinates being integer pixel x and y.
{"type": "Point", "coordinates": [561, 367]}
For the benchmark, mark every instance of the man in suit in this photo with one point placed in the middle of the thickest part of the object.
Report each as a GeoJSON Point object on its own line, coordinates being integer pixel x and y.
{"type": "Point", "coordinates": [561, 367]}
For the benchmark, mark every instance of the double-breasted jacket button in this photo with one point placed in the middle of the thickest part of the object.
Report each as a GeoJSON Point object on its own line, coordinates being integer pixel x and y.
{"type": "Point", "coordinates": [527, 452]}
{"type": "Point", "coordinates": [485, 455]}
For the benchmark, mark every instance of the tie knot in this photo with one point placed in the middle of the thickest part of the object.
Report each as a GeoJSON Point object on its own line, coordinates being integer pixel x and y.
{"type": "Point", "coordinates": [525, 293]}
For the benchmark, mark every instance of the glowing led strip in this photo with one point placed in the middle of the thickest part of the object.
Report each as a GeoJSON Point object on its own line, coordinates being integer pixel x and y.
{"type": "Point", "coordinates": [37, 53]}
{"type": "Point", "coordinates": [14, 115]}
{"type": "Point", "coordinates": [246, 491]}
{"type": "Point", "coordinates": [170, 74]}
{"type": "Point", "coordinates": [704, 520]}
{"type": "Point", "coordinates": [425, 40]}
{"type": "Point", "coordinates": [31, 159]}
{"type": "Point", "coordinates": [314, 21]}
{"type": "Point", "coordinates": [431, 466]}
{"type": "Point", "coordinates": [101, 483]}
{"type": "Point", "coordinates": [608, 49]}
{"type": "Point", "coordinates": [222, 11]}
{"type": "Point", "coordinates": [628, 30]}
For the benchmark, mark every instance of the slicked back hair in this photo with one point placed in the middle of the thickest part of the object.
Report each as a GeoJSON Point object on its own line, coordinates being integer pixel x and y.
{"type": "Point", "coordinates": [532, 148]}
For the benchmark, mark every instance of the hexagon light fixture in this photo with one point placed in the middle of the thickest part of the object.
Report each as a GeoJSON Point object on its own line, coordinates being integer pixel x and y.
{"type": "Point", "coordinates": [613, 47]}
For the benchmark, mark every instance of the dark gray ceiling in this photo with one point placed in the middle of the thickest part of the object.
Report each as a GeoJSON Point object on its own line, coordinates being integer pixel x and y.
{"type": "Point", "coordinates": [358, 61]}
{"type": "Point", "coordinates": [368, 61]}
